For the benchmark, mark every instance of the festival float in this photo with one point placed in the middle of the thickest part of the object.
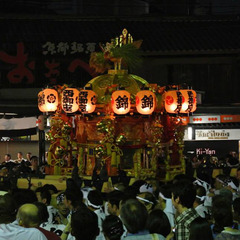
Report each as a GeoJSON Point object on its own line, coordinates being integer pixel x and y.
{"type": "Point", "coordinates": [117, 121]}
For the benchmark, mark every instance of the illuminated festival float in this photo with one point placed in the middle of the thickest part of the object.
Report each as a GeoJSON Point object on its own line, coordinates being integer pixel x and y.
{"type": "Point", "coordinates": [117, 121]}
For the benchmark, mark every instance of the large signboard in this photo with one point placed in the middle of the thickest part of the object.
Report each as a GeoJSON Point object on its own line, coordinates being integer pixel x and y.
{"type": "Point", "coordinates": [217, 134]}
{"type": "Point", "coordinates": [217, 148]}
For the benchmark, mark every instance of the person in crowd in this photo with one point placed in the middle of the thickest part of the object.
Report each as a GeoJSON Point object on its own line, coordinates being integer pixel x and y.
{"type": "Point", "coordinates": [25, 227]}
{"type": "Point", "coordinates": [227, 194]}
{"type": "Point", "coordinates": [55, 229]}
{"type": "Point", "coordinates": [51, 188]}
{"type": "Point", "coordinates": [23, 196]}
{"type": "Point", "coordinates": [198, 204]}
{"type": "Point", "coordinates": [7, 209]}
{"type": "Point", "coordinates": [219, 183]}
{"type": "Point", "coordinates": [34, 165]}
{"type": "Point", "coordinates": [63, 211]}
{"type": "Point", "coordinates": [200, 230]}
{"type": "Point", "coordinates": [28, 156]}
{"type": "Point", "coordinates": [8, 158]}
{"type": "Point", "coordinates": [95, 204]}
{"type": "Point", "coordinates": [158, 222]}
{"type": "Point", "coordinates": [165, 203]}
{"type": "Point", "coordinates": [236, 211]}
{"type": "Point", "coordinates": [112, 228]}
{"type": "Point", "coordinates": [20, 157]}
{"type": "Point", "coordinates": [113, 202]}
{"type": "Point", "coordinates": [148, 200]}
{"type": "Point", "coordinates": [134, 216]}
{"type": "Point", "coordinates": [238, 174]}
{"type": "Point", "coordinates": [44, 196]}
{"type": "Point", "coordinates": [73, 199]}
{"type": "Point", "coordinates": [84, 224]}
{"type": "Point", "coordinates": [183, 197]}
{"type": "Point", "coordinates": [222, 215]}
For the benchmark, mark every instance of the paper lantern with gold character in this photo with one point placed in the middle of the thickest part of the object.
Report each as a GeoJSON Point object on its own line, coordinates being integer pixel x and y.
{"type": "Point", "coordinates": [189, 102]}
{"type": "Point", "coordinates": [173, 101]}
{"type": "Point", "coordinates": [121, 102]}
{"type": "Point", "coordinates": [70, 100]}
{"type": "Point", "coordinates": [48, 100]}
{"type": "Point", "coordinates": [87, 101]}
{"type": "Point", "coordinates": [145, 102]}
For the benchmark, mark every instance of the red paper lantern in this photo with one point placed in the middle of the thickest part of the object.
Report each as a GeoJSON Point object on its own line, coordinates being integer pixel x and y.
{"type": "Point", "coordinates": [189, 102]}
{"type": "Point", "coordinates": [145, 102]}
{"type": "Point", "coordinates": [48, 100]}
{"type": "Point", "coordinates": [87, 101]}
{"type": "Point", "coordinates": [121, 102]}
{"type": "Point", "coordinates": [70, 100]}
{"type": "Point", "coordinates": [173, 101]}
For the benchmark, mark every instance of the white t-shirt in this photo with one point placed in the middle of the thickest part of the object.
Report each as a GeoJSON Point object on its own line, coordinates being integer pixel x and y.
{"type": "Point", "coordinates": [56, 228]}
{"type": "Point", "coordinates": [12, 231]}
{"type": "Point", "coordinates": [53, 213]}
{"type": "Point", "coordinates": [202, 210]}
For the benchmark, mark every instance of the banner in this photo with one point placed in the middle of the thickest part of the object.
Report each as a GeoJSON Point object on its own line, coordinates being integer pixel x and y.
{"type": "Point", "coordinates": [18, 123]}
{"type": "Point", "coordinates": [217, 134]}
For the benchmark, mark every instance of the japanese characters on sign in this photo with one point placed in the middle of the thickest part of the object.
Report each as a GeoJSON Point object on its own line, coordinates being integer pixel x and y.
{"type": "Point", "coordinates": [64, 48]}
{"type": "Point", "coordinates": [22, 66]}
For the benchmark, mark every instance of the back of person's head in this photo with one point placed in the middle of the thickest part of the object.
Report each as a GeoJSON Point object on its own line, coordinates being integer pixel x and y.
{"type": "Point", "coordinates": [23, 196]}
{"type": "Point", "coordinates": [75, 196]}
{"type": "Point", "coordinates": [200, 230]}
{"type": "Point", "coordinates": [95, 199]}
{"type": "Point", "coordinates": [112, 227]}
{"type": "Point", "coordinates": [28, 215]}
{"type": "Point", "coordinates": [200, 194]}
{"type": "Point", "coordinates": [138, 183]}
{"type": "Point", "coordinates": [44, 195]}
{"type": "Point", "coordinates": [84, 224]}
{"type": "Point", "coordinates": [51, 188]}
{"type": "Point", "coordinates": [42, 212]}
{"type": "Point", "coordinates": [185, 191]}
{"type": "Point", "coordinates": [221, 213]}
{"type": "Point", "coordinates": [166, 190]}
{"type": "Point", "coordinates": [226, 193]}
{"type": "Point", "coordinates": [7, 209]}
{"type": "Point", "coordinates": [115, 197]}
{"type": "Point", "coordinates": [134, 215]}
{"type": "Point", "coordinates": [119, 186]}
{"type": "Point", "coordinates": [148, 200]}
{"type": "Point", "coordinates": [236, 207]}
{"type": "Point", "coordinates": [158, 222]}
{"type": "Point", "coordinates": [130, 192]}
{"type": "Point", "coordinates": [180, 177]}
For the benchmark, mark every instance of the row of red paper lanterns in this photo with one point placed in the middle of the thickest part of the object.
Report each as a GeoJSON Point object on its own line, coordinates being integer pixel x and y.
{"type": "Point", "coordinates": [73, 100]}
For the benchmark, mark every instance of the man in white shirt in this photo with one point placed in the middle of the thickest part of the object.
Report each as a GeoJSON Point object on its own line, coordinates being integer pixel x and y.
{"type": "Point", "coordinates": [20, 229]}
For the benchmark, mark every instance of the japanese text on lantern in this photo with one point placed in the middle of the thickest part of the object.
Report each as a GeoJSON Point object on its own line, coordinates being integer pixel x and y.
{"type": "Point", "coordinates": [190, 101]}
{"type": "Point", "coordinates": [83, 100]}
{"type": "Point", "coordinates": [147, 102]}
{"type": "Point", "coordinates": [122, 102]}
{"type": "Point", "coordinates": [67, 100]}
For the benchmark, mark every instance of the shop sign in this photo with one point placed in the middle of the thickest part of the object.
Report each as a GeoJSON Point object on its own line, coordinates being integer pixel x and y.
{"type": "Point", "coordinates": [205, 119]}
{"type": "Point", "coordinates": [217, 134]}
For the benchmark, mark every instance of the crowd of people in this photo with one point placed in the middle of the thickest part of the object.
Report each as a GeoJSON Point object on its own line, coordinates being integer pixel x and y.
{"type": "Point", "coordinates": [184, 209]}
